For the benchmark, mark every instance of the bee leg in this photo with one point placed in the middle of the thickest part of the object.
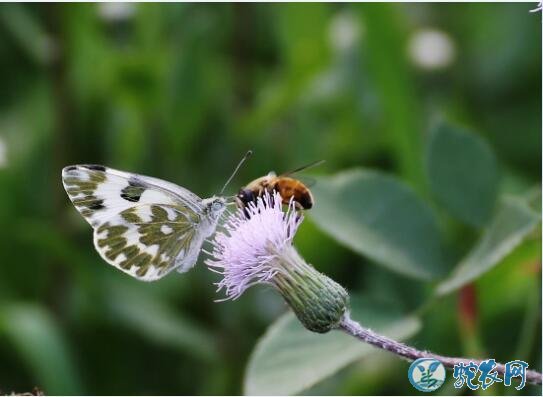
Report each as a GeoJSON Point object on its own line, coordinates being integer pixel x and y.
{"type": "Point", "coordinates": [299, 210]}
{"type": "Point", "coordinates": [299, 207]}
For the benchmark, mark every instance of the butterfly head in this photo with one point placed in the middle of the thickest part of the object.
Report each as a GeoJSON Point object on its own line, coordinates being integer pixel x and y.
{"type": "Point", "coordinates": [215, 206]}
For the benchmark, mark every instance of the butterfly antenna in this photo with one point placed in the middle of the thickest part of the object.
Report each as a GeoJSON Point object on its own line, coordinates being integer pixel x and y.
{"type": "Point", "coordinates": [247, 155]}
{"type": "Point", "coordinates": [304, 167]}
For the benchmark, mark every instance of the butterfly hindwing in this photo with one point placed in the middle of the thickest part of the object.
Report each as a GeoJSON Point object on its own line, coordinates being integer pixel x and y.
{"type": "Point", "coordinates": [150, 240]}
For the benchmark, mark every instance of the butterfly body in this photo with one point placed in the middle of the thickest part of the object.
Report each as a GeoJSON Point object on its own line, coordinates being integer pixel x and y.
{"type": "Point", "coordinates": [144, 226]}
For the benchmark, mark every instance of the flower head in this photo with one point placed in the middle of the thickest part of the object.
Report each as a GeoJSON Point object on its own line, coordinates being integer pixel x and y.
{"type": "Point", "coordinates": [253, 240]}
{"type": "Point", "coordinates": [256, 247]}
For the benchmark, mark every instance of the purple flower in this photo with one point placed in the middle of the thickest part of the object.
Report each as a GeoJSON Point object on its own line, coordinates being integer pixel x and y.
{"type": "Point", "coordinates": [256, 247]}
{"type": "Point", "coordinates": [250, 248]}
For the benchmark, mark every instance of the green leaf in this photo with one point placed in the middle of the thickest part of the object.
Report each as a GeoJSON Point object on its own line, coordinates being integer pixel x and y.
{"type": "Point", "coordinates": [376, 215]}
{"type": "Point", "coordinates": [27, 31]}
{"type": "Point", "coordinates": [156, 320]}
{"type": "Point", "coordinates": [302, 31]}
{"type": "Point", "coordinates": [289, 359]}
{"type": "Point", "coordinates": [37, 338]}
{"type": "Point", "coordinates": [463, 174]}
{"type": "Point", "coordinates": [385, 40]}
{"type": "Point", "coordinates": [512, 223]}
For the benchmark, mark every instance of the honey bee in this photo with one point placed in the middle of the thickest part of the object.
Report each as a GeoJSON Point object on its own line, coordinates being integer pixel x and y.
{"type": "Point", "coordinates": [288, 188]}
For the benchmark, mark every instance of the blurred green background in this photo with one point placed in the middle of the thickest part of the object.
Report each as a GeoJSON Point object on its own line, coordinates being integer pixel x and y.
{"type": "Point", "coordinates": [440, 104]}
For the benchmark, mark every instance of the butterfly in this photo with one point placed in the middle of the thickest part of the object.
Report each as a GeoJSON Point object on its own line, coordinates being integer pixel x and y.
{"type": "Point", "coordinates": [144, 226]}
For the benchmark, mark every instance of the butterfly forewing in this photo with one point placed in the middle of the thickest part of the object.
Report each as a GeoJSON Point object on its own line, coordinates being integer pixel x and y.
{"type": "Point", "coordinates": [99, 192]}
{"type": "Point", "coordinates": [144, 226]}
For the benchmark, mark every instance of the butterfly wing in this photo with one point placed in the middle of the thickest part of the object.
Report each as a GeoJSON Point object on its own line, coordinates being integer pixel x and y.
{"type": "Point", "coordinates": [99, 192]}
{"type": "Point", "coordinates": [150, 240]}
{"type": "Point", "coordinates": [144, 226]}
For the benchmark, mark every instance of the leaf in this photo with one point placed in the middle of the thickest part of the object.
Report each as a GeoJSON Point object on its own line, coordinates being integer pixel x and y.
{"type": "Point", "coordinates": [301, 29]}
{"type": "Point", "coordinates": [378, 216]}
{"type": "Point", "coordinates": [384, 44]}
{"type": "Point", "coordinates": [463, 173]}
{"type": "Point", "coordinates": [433, 366]}
{"type": "Point", "coordinates": [512, 223]}
{"type": "Point", "coordinates": [37, 338]}
{"type": "Point", "coordinates": [26, 30]}
{"type": "Point", "coordinates": [289, 359]}
{"type": "Point", "coordinates": [157, 321]}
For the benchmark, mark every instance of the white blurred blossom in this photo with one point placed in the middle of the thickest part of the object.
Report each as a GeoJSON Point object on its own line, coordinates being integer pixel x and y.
{"type": "Point", "coordinates": [431, 49]}
{"type": "Point", "coordinates": [344, 31]}
{"type": "Point", "coordinates": [116, 12]}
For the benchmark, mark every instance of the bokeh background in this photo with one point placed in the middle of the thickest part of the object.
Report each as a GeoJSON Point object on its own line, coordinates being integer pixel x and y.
{"type": "Point", "coordinates": [180, 92]}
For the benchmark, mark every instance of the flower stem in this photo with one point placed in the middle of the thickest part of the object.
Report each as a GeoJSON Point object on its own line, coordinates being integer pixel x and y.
{"type": "Point", "coordinates": [353, 328]}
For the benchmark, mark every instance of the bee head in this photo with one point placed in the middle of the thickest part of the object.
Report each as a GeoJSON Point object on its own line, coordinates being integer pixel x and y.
{"type": "Point", "coordinates": [245, 196]}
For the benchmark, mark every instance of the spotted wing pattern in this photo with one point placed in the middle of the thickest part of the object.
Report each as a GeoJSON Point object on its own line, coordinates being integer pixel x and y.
{"type": "Point", "coordinates": [99, 193]}
{"type": "Point", "coordinates": [150, 240]}
{"type": "Point", "coordinates": [143, 226]}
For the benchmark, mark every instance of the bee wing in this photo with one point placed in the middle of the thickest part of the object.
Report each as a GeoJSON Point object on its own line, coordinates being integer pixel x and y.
{"type": "Point", "coordinates": [307, 180]}
{"type": "Point", "coordinates": [303, 168]}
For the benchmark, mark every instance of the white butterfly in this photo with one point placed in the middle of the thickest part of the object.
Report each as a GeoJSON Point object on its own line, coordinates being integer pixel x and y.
{"type": "Point", "coordinates": [144, 226]}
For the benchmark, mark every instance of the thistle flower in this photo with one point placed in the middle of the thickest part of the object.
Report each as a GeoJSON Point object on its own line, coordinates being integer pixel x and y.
{"type": "Point", "coordinates": [255, 247]}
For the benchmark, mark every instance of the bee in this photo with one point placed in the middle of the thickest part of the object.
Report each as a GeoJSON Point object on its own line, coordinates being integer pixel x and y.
{"type": "Point", "coordinates": [288, 188]}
